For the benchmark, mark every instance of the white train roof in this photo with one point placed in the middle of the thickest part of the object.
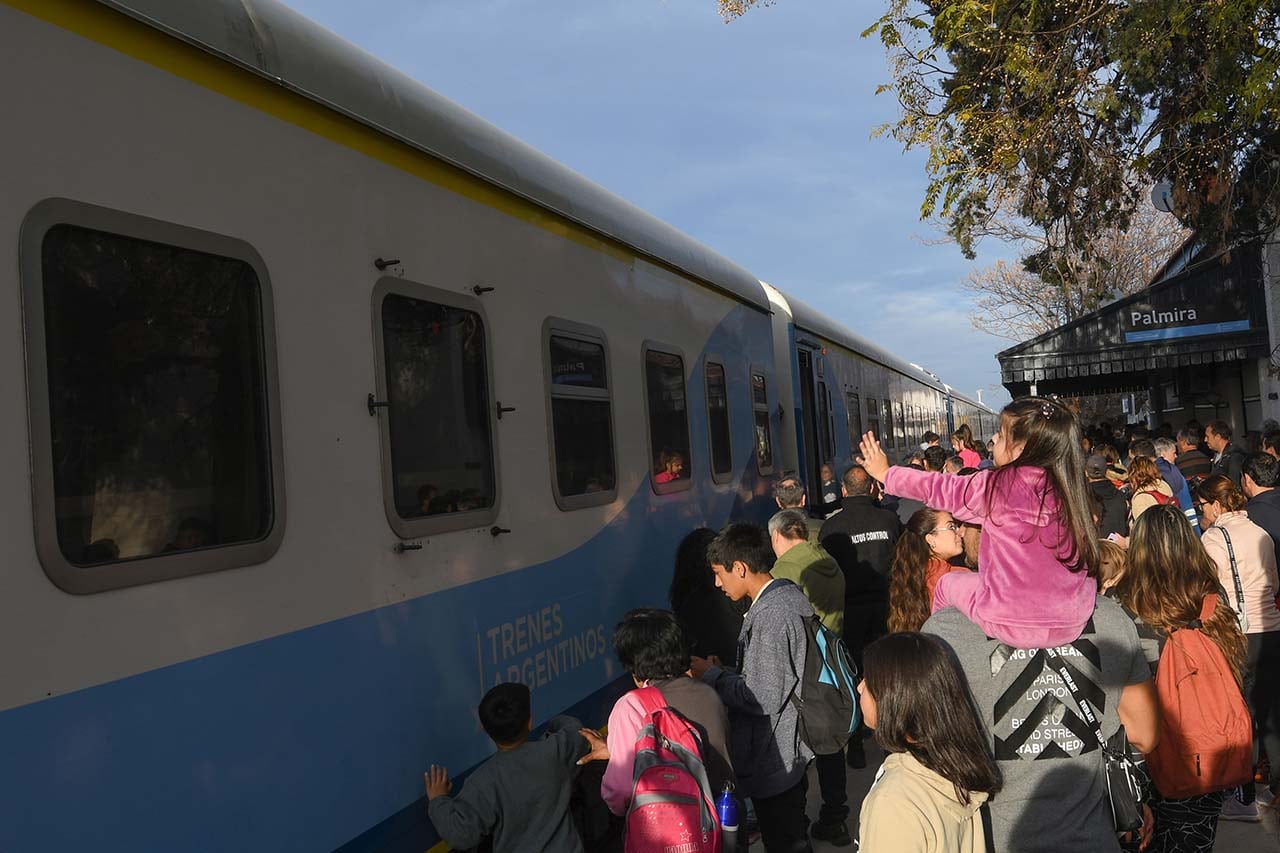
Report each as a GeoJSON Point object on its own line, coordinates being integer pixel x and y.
{"type": "Point", "coordinates": [809, 319]}
{"type": "Point", "coordinates": [271, 40]}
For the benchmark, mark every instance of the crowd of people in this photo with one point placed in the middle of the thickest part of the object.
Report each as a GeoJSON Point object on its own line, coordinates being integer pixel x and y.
{"type": "Point", "coordinates": [1022, 614]}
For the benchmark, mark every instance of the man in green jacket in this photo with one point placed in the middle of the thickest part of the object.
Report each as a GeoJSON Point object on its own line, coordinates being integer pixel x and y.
{"type": "Point", "coordinates": [816, 572]}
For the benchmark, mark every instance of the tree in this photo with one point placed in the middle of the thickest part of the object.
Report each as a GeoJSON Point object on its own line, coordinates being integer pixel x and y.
{"type": "Point", "coordinates": [1062, 112]}
{"type": "Point", "coordinates": [1046, 288]}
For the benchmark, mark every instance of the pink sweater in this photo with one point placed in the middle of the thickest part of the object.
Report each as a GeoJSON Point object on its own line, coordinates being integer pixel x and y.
{"type": "Point", "coordinates": [1022, 594]}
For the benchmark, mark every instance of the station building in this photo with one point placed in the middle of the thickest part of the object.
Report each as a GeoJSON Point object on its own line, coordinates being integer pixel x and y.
{"type": "Point", "coordinates": [1201, 342]}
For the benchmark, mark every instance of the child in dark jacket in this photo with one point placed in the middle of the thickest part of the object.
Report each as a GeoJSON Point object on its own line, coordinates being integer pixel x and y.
{"type": "Point", "coordinates": [520, 796]}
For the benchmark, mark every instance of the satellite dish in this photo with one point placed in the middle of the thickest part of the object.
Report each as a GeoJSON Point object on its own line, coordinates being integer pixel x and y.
{"type": "Point", "coordinates": [1162, 196]}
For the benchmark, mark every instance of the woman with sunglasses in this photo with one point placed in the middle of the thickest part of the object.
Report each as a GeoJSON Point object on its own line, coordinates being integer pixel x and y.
{"type": "Point", "coordinates": [927, 544]}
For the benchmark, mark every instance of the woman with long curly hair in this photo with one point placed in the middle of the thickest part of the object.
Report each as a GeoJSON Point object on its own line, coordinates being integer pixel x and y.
{"type": "Point", "coordinates": [930, 539]}
{"type": "Point", "coordinates": [1168, 575]}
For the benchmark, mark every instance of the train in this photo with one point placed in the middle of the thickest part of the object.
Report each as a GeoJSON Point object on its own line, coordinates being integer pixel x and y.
{"type": "Point", "coordinates": [335, 406]}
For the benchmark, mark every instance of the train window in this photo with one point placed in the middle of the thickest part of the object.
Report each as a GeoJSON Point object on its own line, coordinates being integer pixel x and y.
{"type": "Point", "coordinates": [718, 422]}
{"type": "Point", "coordinates": [583, 470]}
{"type": "Point", "coordinates": [760, 413]}
{"type": "Point", "coordinates": [825, 439]}
{"type": "Point", "coordinates": [667, 403]}
{"type": "Point", "coordinates": [873, 419]}
{"type": "Point", "coordinates": [437, 429]}
{"type": "Point", "coordinates": [854, 412]}
{"type": "Point", "coordinates": [155, 432]}
{"type": "Point", "coordinates": [901, 426]}
{"type": "Point", "coordinates": [888, 423]}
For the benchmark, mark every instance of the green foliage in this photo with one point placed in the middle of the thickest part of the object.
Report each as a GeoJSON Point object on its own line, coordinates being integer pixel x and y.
{"type": "Point", "coordinates": [1063, 112]}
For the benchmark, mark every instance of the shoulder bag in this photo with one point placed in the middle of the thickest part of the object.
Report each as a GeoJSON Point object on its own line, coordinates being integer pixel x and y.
{"type": "Point", "coordinates": [1121, 774]}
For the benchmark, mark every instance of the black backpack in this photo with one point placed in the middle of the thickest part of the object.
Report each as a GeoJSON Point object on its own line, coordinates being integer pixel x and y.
{"type": "Point", "coordinates": [826, 698]}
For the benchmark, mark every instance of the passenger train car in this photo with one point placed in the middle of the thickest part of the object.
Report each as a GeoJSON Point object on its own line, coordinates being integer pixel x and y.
{"type": "Point", "coordinates": [341, 406]}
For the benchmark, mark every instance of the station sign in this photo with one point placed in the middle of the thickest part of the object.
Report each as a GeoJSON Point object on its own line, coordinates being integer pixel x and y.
{"type": "Point", "coordinates": [1187, 312]}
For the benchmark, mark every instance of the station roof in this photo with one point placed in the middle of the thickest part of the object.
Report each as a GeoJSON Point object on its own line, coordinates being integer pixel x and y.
{"type": "Point", "coordinates": [1214, 311]}
{"type": "Point", "coordinates": [286, 48]}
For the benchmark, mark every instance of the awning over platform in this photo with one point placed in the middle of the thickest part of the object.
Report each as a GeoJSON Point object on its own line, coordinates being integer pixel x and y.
{"type": "Point", "coordinates": [1213, 312]}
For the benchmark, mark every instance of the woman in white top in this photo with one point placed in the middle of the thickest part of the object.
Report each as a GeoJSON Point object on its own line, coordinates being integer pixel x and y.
{"type": "Point", "coordinates": [1242, 550]}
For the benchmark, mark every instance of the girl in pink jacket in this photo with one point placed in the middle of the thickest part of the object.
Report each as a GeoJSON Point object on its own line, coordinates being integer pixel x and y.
{"type": "Point", "coordinates": [1039, 552]}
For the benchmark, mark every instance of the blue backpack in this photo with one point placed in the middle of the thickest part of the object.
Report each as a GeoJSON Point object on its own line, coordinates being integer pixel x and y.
{"type": "Point", "coordinates": [826, 698]}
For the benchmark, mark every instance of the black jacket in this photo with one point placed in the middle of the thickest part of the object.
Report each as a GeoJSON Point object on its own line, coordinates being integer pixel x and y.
{"type": "Point", "coordinates": [1230, 463]}
{"type": "Point", "coordinates": [862, 537]}
{"type": "Point", "coordinates": [1264, 511]}
{"type": "Point", "coordinates": [1115, 509]}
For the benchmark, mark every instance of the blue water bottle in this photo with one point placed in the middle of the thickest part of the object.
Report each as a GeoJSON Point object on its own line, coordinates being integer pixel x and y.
{"type": "Point", "coordinates": [727, 808]}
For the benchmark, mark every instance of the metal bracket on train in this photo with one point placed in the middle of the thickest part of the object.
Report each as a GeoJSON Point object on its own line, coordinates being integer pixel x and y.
{"type": "Point", "coordinates": [374, 404]}
{"type": "Point", "coordinates": [481, 290]}
{"type": "Point", "coordinates": [497, 531]}
{"type": "Point", "coordinates": [502, 409]}
{"type": "Point", "coordinates": [383, 264]}
{"type": "Point", "coordinates": [402, 547]}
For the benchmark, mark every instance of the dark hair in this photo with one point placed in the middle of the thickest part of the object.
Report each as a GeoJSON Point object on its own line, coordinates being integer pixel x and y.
{"type": "Point", "coordinates": [504, 712]}
{"type": "Point", "coordinates": [857, 481]}
{"type": "Point", "coordinates": [789, 492]}
{"type": "Point", "coordinates": [1189, 436]}
{"type": "Point", "coordinates": [923, 708]}
{"type": "Point", "coordinates": [930, 437]}
{"type": "Point", "coordinates": [1143, 447]}
{"type": "Point", "coordinates": [1271, 441]}
{"type": "Point", "coordinates": [1050, 438]}
{"type": "Point", "coordinates": [934, 457]}
{"type": "Point", "coordinates": [742, 543]}
{"type": "Point", "coordinates": [966, 437]}
{"type": "Point", "coordinates": [650, 644]}
{"type": "Point", "coordinates": [1222, 429]}
{"type": "Point", "coordinates": [1262, 468]}
{"type": "Point", "coordinates": [692, 573]}
{"type": "Point", "coordinates": [1219, 489]}
{"type": "Point", "coordinates": [908, 608]}
{"type": "Point", "coordinates": [1167, 576]}
{"type": "Point", "coordinates": [953, 461]}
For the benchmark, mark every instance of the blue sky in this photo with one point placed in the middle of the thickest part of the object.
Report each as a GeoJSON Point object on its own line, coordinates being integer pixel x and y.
{"type": "Point", "coordinates": [753, 137]}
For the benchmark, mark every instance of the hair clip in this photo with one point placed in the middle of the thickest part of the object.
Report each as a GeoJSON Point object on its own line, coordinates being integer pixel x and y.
{"type": "Point", "coordinates": [1046, 409]}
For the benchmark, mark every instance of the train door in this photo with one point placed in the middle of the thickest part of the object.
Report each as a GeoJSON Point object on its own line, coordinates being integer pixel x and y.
{"type": "Point", "coordinates": [818, 423]}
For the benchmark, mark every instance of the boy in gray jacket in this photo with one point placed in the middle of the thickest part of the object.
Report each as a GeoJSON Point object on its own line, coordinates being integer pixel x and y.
{"type": "Point", "coordinates": [520, 796]}
{"type": "Point", "coordinates": [765, 746]}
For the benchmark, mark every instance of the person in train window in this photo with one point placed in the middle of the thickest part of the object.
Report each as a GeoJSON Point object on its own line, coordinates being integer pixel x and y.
{"type": "Point", "coordinates": [1039, 551]}
{"type": "Point", "coordinates": [670, 467]}
{"type": "Point", "coordinates": [426, 494]}
{"type": "Point", "coordinates": [830, 491]}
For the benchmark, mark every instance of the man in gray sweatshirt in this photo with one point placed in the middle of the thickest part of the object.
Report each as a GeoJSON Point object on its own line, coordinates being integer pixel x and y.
{"type": "Point", "coordinates": [764, 743]}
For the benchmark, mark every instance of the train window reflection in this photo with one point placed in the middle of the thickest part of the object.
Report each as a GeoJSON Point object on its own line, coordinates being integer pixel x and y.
{"type": "Point", "coordinates": [760, 413]}
{"type": "Point", "coordinates": [581, 419]}
{"type": "Point", "coordinates": [888, 423]}
{"type": "Point", "coordinates": [718, 421]}
{"type": "Point", "coordinates": [873, 420]}
{"type": "Point", "coordinates": [854, 412]}
{"type": "Point", "coordinates": [157, 397]}
{"type": "Point", "coordinates": [668, 420]}
{"type": "Point", "coordinates": [437, 386]}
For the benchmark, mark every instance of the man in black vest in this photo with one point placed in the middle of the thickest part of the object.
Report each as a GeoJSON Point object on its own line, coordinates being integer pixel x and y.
{"type": "Point", "coordinates": [862, 537]}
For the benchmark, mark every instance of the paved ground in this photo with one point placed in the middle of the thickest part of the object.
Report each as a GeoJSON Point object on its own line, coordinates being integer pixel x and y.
{"type": "Point", "coordinates": [1233, 837]}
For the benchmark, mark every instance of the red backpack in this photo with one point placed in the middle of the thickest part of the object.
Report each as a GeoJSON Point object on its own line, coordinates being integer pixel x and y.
{"type": "Point", "coordinates": [1161, 497]}
{"type": "Point", "coordinates": [1206, 741]}
{"type": "Point", "coordinates": [672, 810]}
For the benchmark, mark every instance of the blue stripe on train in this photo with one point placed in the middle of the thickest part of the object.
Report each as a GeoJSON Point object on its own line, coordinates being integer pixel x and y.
{"type": "Point", "coordinates": [306, 740]}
